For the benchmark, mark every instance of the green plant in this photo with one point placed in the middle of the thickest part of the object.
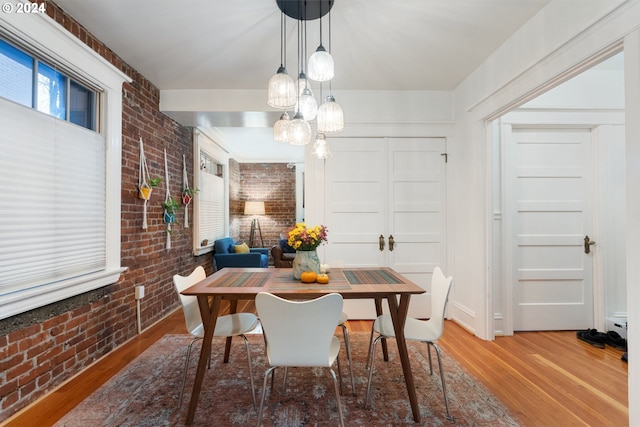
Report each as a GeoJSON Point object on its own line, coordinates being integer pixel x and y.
{"type": "Point", "coordinates": [190, 191]}
{"type": "Point", "coordinates": [154, 182]}
{"type": "Point", "coordinates": [171, 205]}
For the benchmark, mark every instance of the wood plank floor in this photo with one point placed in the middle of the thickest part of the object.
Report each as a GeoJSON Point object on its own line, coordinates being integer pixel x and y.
{"type": "Point", "coordinates": [546, 378]}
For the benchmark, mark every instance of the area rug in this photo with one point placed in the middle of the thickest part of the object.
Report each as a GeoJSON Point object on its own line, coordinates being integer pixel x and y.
{"type": "Point", "coordinates": [145, 393]}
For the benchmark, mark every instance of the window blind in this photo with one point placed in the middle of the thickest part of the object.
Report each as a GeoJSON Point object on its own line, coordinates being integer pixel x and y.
{"type": "Point", "coordinates": [52, 187]}
{"type": "Point", "coordinates": [211, 205]}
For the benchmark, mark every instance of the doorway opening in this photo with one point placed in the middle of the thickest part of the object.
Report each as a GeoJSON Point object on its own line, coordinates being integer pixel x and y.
{"type": "Point", "coordinates": [559, 185]}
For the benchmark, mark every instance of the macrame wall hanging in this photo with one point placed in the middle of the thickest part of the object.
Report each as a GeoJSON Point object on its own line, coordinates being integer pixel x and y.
{"type": "Point", "coordinates": [144, 184]}
{"type": "Point", "coordinates": [187, 192]}
{"type": "Point", "coordinates": [170, 205]}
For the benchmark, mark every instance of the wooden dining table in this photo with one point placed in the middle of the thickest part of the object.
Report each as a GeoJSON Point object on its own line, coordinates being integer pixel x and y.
{"type": "Point", "coordinates": [235, 284]}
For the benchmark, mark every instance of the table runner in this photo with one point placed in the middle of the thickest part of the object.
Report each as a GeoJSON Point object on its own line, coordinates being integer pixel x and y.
{"type": "Point", "coordinates": [285, 281]}
{"type": "Point", "coordinates": [378, 277]}
{"type": "Point", "coordinates": [237, 280]}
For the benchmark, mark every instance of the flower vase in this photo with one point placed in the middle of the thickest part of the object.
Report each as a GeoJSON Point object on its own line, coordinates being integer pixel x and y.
{"type": "Point", "coordinates": [305, 261]}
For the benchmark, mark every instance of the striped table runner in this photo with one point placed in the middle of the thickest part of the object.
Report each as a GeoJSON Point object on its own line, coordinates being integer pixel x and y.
{"type": "Point", "coordinates": [371, 277]}
{"type": "Point", "coordinates": [237, 280]}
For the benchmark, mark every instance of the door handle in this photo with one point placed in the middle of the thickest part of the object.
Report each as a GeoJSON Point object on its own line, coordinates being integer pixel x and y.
{"type": "Point", "coordinates": [391, 242]}
{"type": "Point", "coordinates": [381, 242]}
{"type": "Point", "coordinates": [587, 244]}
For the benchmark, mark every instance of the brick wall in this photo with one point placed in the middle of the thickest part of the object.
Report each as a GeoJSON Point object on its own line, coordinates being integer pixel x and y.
{"type": "Point", "coordinates": [42, 348]}
{"type": "Point", "coordinates": [273, 183]}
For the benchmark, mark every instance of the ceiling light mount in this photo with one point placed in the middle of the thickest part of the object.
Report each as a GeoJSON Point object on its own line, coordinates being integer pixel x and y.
{"type": "Point", "coordinates": [305, 10]}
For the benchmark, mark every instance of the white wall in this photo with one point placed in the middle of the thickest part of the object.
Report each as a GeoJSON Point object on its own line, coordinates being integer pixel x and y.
{"type": "Point", "coordinates": [562, 36]}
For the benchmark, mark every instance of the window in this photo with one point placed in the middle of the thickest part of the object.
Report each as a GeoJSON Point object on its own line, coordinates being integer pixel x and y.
{"type": "Point", "coordinates": [61, 169]}
{"type": "Point", "coordinates": [211, 206]}
{"type": "Point", "coordinates": [16, 67]}
{"type": "Point", "coordinates": [56, 94]}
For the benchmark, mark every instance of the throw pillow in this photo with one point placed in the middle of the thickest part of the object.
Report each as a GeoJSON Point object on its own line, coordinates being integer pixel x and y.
{"type": "Point", "coordinates": [242, 249]}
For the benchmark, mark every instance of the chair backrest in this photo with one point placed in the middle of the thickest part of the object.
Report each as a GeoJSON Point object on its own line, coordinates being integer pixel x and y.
{"type": "Point", "coordinates": [223, 246]}
{"type": "Point", "coordinates": [189, 302]}
{"type": "Point", "coordinates": [299, 333]}
{"type": "Point", "coordinates": [440, 287]}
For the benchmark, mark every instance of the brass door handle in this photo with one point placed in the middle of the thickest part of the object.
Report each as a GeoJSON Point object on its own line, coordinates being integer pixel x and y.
{"type": "Point", "coordinates": [381, 242]}
{"type": "Point", "coordinates": [587, 244]}
{"type": "Point", "coordinates": [391, 242]}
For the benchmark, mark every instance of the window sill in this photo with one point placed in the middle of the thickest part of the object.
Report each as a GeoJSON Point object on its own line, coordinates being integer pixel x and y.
{"type": "Point", "coordinates": [21, 301]}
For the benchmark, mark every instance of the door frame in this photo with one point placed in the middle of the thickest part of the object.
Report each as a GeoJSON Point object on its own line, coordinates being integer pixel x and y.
{"type": "Point", "coordinates": [502, 224]}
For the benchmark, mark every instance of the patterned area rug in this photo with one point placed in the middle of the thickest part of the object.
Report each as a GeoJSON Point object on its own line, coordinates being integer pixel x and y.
{"type": "Point", "coordinates": [146, 392]}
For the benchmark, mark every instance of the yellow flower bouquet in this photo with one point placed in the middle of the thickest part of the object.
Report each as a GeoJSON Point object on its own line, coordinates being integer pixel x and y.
{"type": "Point", "coordinates": [303, 238]}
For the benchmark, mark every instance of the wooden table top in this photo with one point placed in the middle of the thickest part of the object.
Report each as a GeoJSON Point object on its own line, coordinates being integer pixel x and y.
{"type": "Point", "coordinates": [351, 283]}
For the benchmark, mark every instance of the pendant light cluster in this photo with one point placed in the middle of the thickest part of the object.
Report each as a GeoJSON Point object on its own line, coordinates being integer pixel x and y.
{"type": "Point", "coordinates": [298, 96]}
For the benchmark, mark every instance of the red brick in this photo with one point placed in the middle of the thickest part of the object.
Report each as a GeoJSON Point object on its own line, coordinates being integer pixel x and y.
{"type": "Point", "coordinates": [23, 333]}
{"type": "Point", "coordinates": [11, 362]}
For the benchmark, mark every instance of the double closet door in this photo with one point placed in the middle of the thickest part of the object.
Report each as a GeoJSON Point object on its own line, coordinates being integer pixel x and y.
{"type": "Point", "coordinates": [385, 207]}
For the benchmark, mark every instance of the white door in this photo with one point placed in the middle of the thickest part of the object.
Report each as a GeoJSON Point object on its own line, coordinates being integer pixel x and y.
{"type": "Point", "coordinates": [379, 188]}
{"type": "Point", "coordinates": [550, 206]}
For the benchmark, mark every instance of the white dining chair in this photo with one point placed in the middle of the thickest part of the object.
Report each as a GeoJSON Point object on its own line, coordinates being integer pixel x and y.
{"type": "Point", "coordinates": [426, 331]}
{"type": "Point", "coordinates": [229, 325]}
{"type": "Point", "coordinates": [300, 334]}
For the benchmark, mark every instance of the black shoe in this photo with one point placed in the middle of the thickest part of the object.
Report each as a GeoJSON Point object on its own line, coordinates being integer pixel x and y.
{"type": "Point", "coordinates": [616, 341]}
{"type": "Point", "coordinates": [593, 337]}
{"type": "Point", "coordinates": [625, 357]}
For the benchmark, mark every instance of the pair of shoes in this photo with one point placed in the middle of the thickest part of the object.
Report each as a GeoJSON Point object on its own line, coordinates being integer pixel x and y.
{"type": "Point", "coordinates": [593, 337]}
{"type": "Point", "coordinates": [616, 341]}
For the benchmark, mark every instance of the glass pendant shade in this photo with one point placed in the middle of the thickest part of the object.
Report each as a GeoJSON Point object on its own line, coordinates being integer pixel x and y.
{"type": "Point", "coordinates": [281, 129]}
{"type": "Point", "coordinates": [330, 116]}
{"type": "Point", "coordinates": [302, 83]}
{"type": "Point", "coordinates": [320, 65]}
{"type": "Point", "coordinates": [307, 105]}
{"type": "Point", "coordinates": [300, 131]}
{"type": "Point", "coordinates": [321, 148]}
{"type": "Point", "coordinates": [282, 90]}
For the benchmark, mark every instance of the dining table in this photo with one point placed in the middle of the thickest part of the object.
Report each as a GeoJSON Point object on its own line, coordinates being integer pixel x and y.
{"type": "Point", "coordinates": [237, 284]}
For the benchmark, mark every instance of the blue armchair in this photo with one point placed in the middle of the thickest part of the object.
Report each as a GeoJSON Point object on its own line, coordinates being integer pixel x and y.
{"type": "Point", "coordinates": [224, 255]}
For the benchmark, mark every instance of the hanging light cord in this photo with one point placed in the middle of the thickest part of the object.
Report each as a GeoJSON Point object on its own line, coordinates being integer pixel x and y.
{"type": "Point", "coordinates": [283, 44]}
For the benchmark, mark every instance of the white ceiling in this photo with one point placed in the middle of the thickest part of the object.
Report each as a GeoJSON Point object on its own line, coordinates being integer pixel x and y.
{"type": "Point", "coordinates": [234, 44]}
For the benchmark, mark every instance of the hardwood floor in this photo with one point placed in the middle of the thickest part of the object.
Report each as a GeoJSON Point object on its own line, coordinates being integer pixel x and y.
{"type": "Point", "coordinates": [545, 378]}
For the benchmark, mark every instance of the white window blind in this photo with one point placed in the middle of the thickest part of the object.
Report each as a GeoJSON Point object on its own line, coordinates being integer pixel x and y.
{"type": "Point", "coordinates": [53, 220]}
{"type": "Point", "coordinates": [212, 201]}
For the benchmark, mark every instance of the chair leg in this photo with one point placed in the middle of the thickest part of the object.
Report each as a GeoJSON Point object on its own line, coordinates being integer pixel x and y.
{"type": "Point", "coordinates": [372, 350]}
{"type": "Point", "coordinates": [338, 399]}
{"type": "Point", "coordinates": [253, 387]}
{"type": "Point", "coordinates": [339, 372]}
{"type": "Point", "coordinates": [347, 344]}
{"type": "Point", "coordinates": [430, 364]}
{"type": "Point", "coordinates": [186, 368]}
{"type": "Point", "coordinates": [444, 387]}
{"type": "Point", "coordinates": [284, 379]}
{"type": "Point", "coordinates": [264, 393]}
{"type": "Point", "coordinates": [370, 345]}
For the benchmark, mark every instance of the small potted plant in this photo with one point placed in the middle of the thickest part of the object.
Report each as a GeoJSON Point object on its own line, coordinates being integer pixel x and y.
{"type": "Point", "coordinates": [144, 192]}
{"type": "Point", "coordinates": [187, 194]}
{"type": "Point", "coordinates": [170, 206]}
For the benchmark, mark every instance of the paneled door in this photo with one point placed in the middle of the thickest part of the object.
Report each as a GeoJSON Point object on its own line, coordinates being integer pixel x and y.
{"type": "Point", "coordinates": [548, 175]}
{"type": "Point", "coordinates": [385, 201]}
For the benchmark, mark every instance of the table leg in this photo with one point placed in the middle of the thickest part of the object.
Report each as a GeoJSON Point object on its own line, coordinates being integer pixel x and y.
{"type": "Point", "coordinates": [209, 313]}
{"type": "Point", "coordinates": [399, 316]}
{"type": "Point", "coordinates": [233, 307]}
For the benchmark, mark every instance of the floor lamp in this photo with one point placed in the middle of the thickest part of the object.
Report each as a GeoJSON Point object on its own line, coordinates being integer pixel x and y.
{"type": "Point", "coordinates": [254, 208]}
